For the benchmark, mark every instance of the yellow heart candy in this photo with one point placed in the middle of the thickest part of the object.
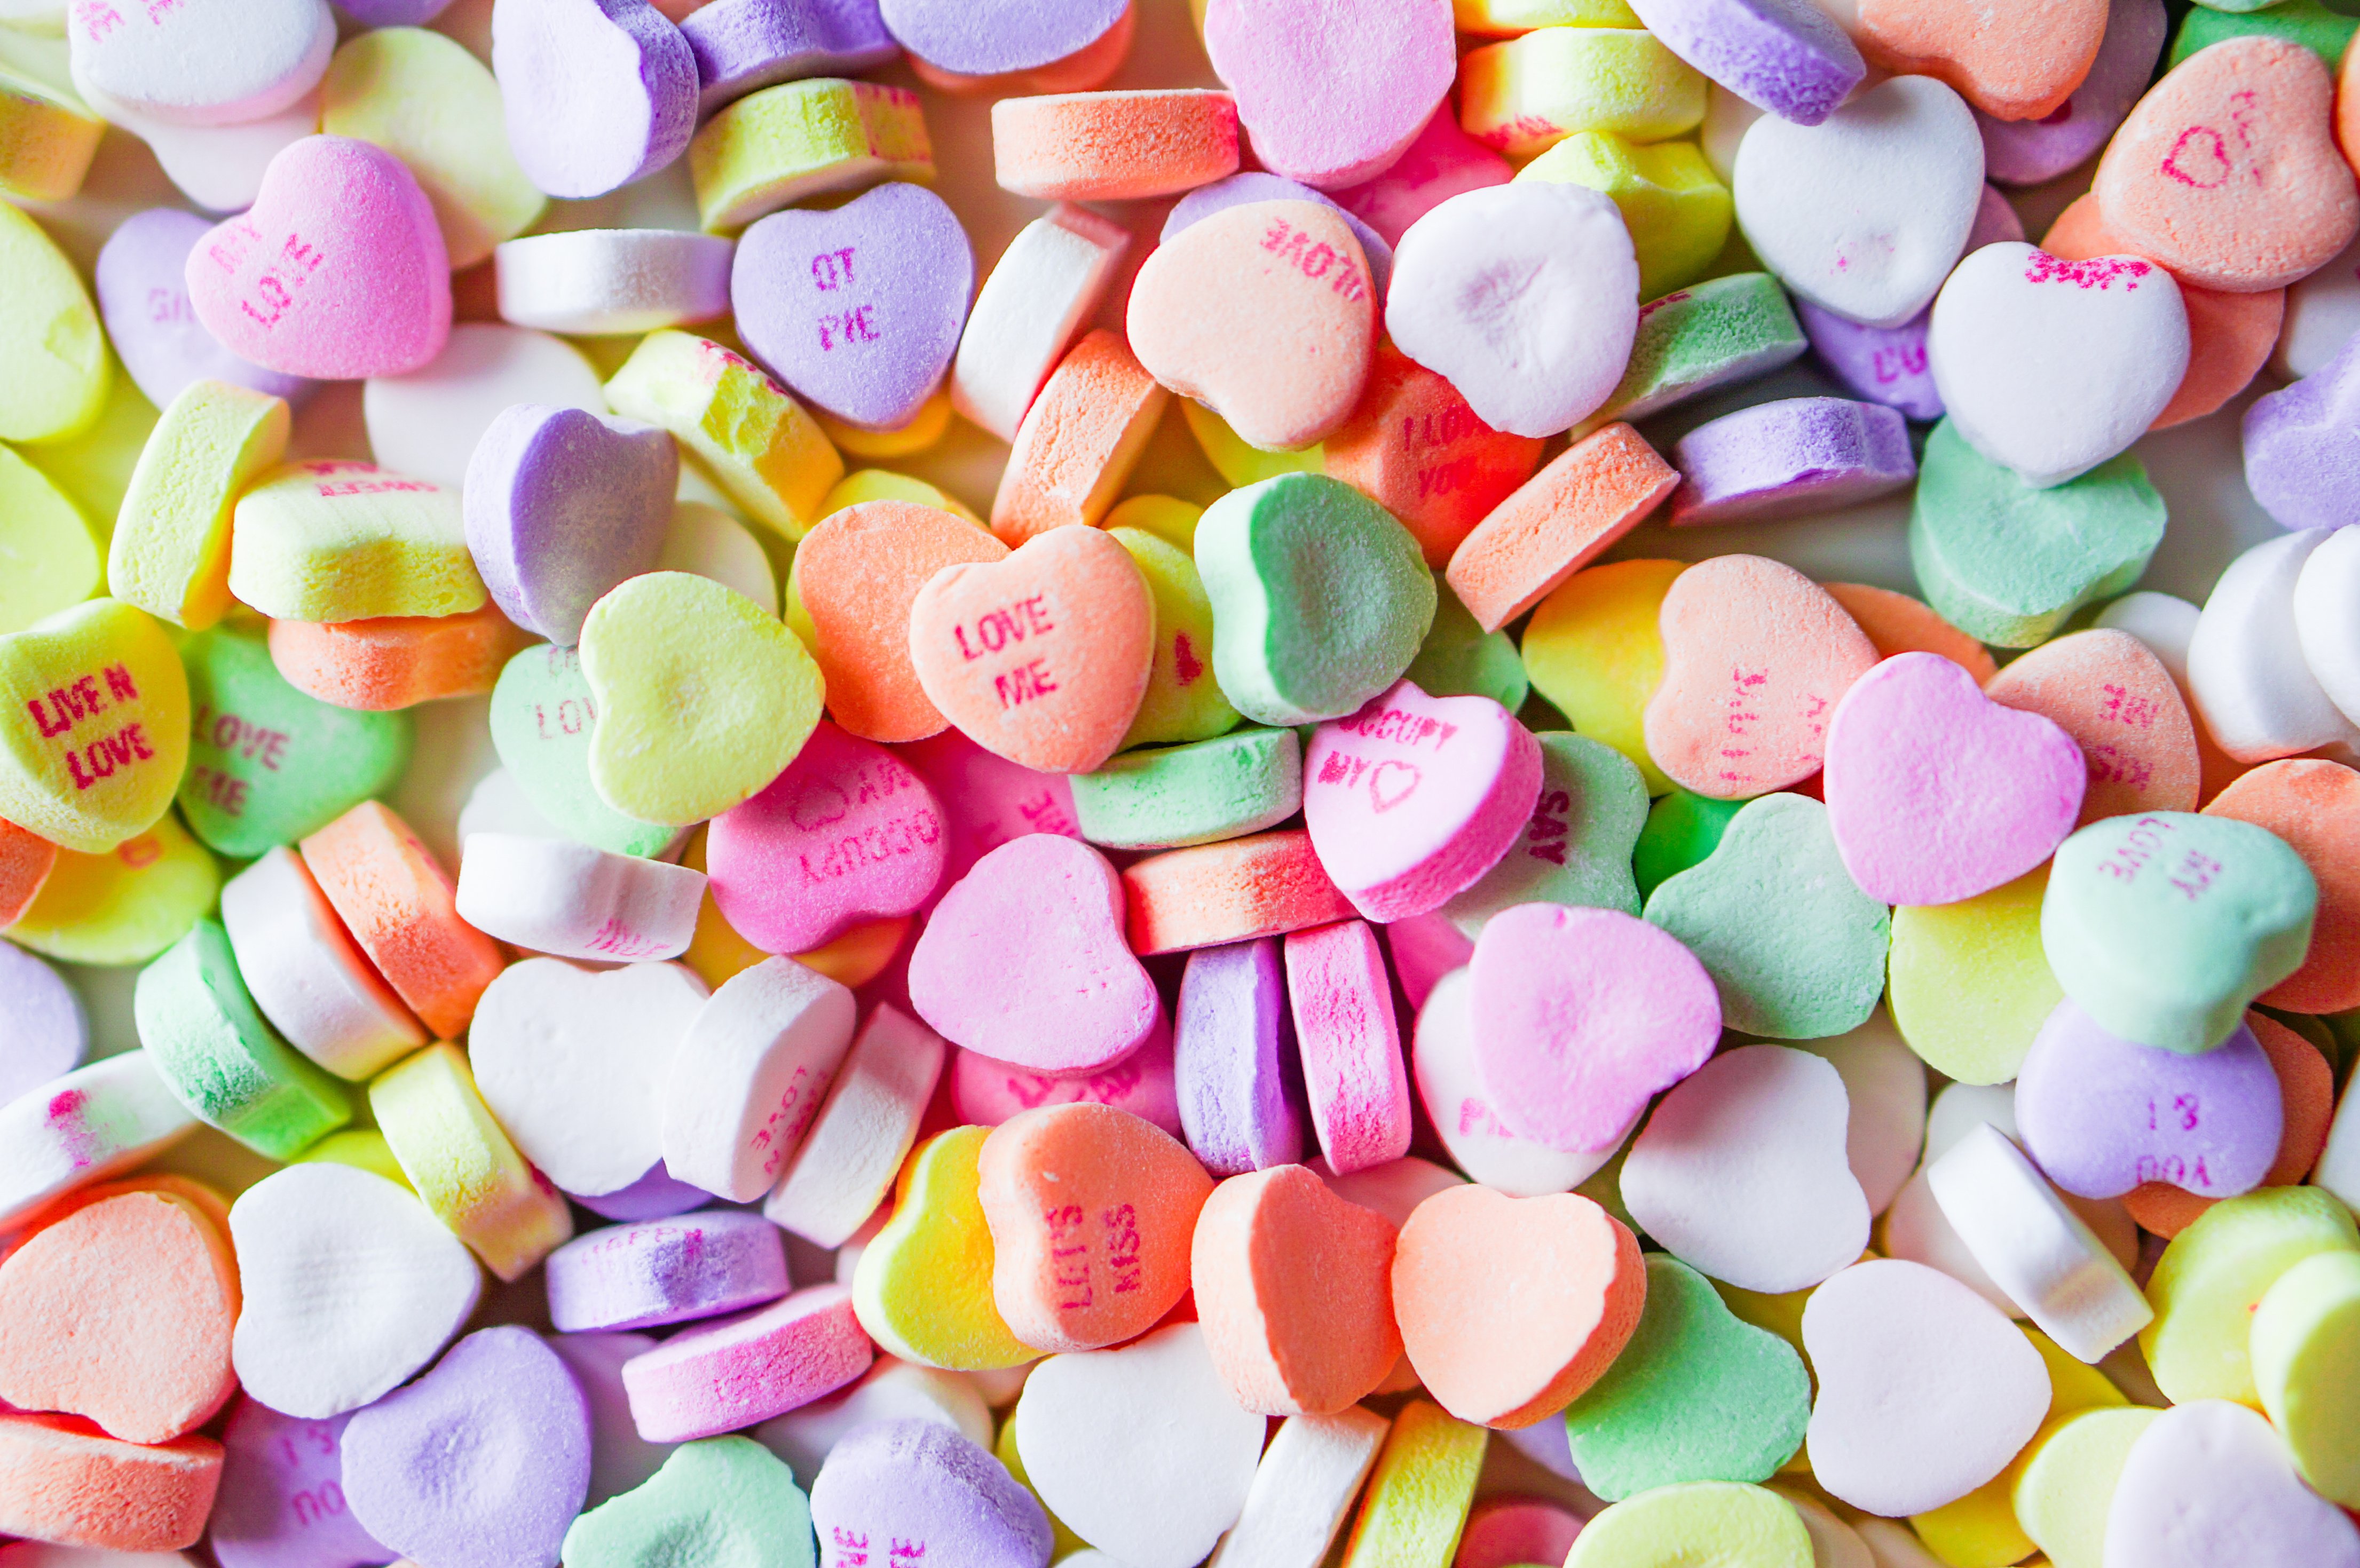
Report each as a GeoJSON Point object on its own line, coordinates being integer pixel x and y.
{"type": "Point", "coordinates": [2306, 1354]}
{"type": "Point", "coordinates": [50, 339]}
{"type": "Point", "coordinates": [922, 1289]}
{"type": "Point", "coordinates": [330, 541]}
{"type": "Point", "coordinates": [1969, 983]}
{"type": "Point", "coordinates": [52, 559]}
{"type": "Point", "coordinates": [124, 905]}
{"type": "Point", "coordinates": [2213, 1275]}
{"type": "Point", "coordinates": [1420, 1490]}
{"type": "Point", "coordinates": [45, 141]}
{"type": "Point", "coordinates": [1183, 702]}
{"type": "Point", "coordinates": [171, 551]}
{"type": "Point", "coordinates": [2064, 1488]}
{"type": "Point", "coordinates": [757, 442]}
{"type": "Point", "coordinates": [1595, 648]}
{"type": "Point", "coordinates": [461, 1164]}
{"type": "Point", "coordinates": [95, 729]}
{"type": "Point", "coordinates": [1720, 1522]}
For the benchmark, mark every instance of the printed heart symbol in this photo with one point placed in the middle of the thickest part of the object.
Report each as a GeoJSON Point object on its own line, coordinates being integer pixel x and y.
{"type": "Point", "coordinates": [1390, 783]}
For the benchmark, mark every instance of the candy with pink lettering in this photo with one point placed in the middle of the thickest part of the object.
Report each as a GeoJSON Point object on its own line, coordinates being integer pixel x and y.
{"type": "Point", "coordinates": [44, 1034]}
{"type": "Point", "coordinates": [1238, 190]}
{"type": "Point", "coordinates": [1236, 1073]}
{"type": "Point", "coordinates": [1794, 458]}
{"type": "Point", "coordinates": [748, 1080]}
{"type": "Point", "coordinates": [2101, 1115]}
{"type": "Point", "coordinates": [282, 1497]}
{"type": "Point", "coordinates": [2032, 152]}
{"type": "Point", "coordinates": [1786, 55]}
{"type": "Point", "coordinates": [742, 45]}
{"type": "Point", "coordinates": [858, 309]}
{"type": "Point", "coordinates": [543, 717]}
{"type": "Point", "coordinates": [1479, 1142]}
{"type": "Point", "coordinates": [562, 506]}
{"type": "Point", "coordinates": [1332, 92]}
{"type": "Point", "coordinates": [849, 833]}
{"type": "Point", "coordinates": [986, 799]}
{"type": "Point", "coordinates": [336, 272]}
{"type": "Point", "coordinates": [901, 1494]}
{"type": "Point", "coordinates": [1351, 1045]}
{"type": "Point", "coordinates": [1883, 365]}
{"type": "Point", "coordinates": [575, 901]}
{"type": "Point", "coordinates": [666, 1271]}
{"type": "Point", "coordinates": [598, 92]}
{"type": "Point", "coordinates": [142, 277]}
{"type": "Point", "coordinates": [986, 1093]}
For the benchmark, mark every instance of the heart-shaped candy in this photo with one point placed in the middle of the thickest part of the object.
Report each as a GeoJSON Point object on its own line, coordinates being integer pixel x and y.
{"type": "Point", "coordinates": [2226, 172]}
{"type": "Point", "coordinates": [1977, 1388]}
{"type": "Point", "coordinates": [142, 277]}
{"type": "Point", "coordinates": [574, 1062]}
{"type": "Point", "coordinates": [1795, 947]}
{"type": "Point", "coordinates": [2121, 707]}
{"type": "Point", "coordinates": [1044, 657]}
{"type": "Point", "coordinates": [2212, 1277]}
{"type": "Point", "coordinates": [924, 1487]}
{"type": "Point", "coordinates": [2051, 366]}
{"type": "Point", "coordinates": [543, 720]}
{"type": "Point", "coordinates": [997, 35]}
{"type": "Point", "coordinates": [1576, 848]}
{"type": "Point", "coordinates": [1233, 1073]}
{"type": "Point", "coordinates": [1591, 1012]}
{"type": "Point", "coordinates": [1937, 793]}
{"type": "Point", "coordinates": [203, 62]}
{"type": "Point", "coordinates": [1697, 1395]}
{"type": "Point", "coordinates": [1051, 909]}
{"type": "Point", "coordinates": [93, 747]}
{"type": "Point", "coordinates": [1142, 1452]}
{"type": "Point", "coordinates": [1571, 1287]}
{"type": "Point", "coordinates": [730, 1494]}
{"type": "Point", "coordinates": [1710, 1521]}
{"type": "Point", "coordinates": [1410, 800]}
{"type": "Point", "coordinates": [1741, 1171]}
{"type": "Point", "coordinates": [282, 1490]}
{"type": "Point", "coordinates": [849, 833]}
{"type": "Point", "coordinates": [562, 506]}
{"type": "Point", "coordinates": [1479, 1141]}
{"type": "Point", "coordinates": [857, 308]}
{"type": "Point", "coordinates": [1756, 656]}
{"type": "Point", "coordinates": [987, 1093]}
{"type": "Point", "coordinates": [336, 272]}
{"type": "Point", "coordinates": [1866, 213]}
{"type": "Point", "coordinates": [2298, 469]}
{"type": "Point", "coordinates": [2210, 1482]}
{"type": "Point", "coordinates": [987, 799]}
{"type": "Point", "coordinates": [2034, 151]}
{"type": "Point", "coordinates": [922, 1285]}
{"type": "Point", "coordinates": [2303, 1328]}
{"type": "Point", "coordinates": [1332, 92]}
{"type": "Point", "coordinates": [2018, 70]}
{"type": "Point", "coordinates": [1265, 314]}
{"type": "Point", "coordinates": [598, 92]}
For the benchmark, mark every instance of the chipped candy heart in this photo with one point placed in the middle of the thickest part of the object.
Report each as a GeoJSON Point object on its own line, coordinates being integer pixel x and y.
{"type": "Point", "coordinates": [598, 92]}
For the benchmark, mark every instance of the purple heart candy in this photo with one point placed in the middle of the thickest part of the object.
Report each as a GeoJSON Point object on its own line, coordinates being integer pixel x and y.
{"type": "Point", "coordinates": [743, 45]}
{"type": "Point", "coordinates": [1785, 55]}
{"type": "Point", "coordinates": [933, 1494]}
{"type": "Point", "coordinates": [1793, 458]}
{"type": "Point", "coordinates": [282, 1495]}
{"type": "Point", "coordinates": [2033, 152]}
{"type": "Point", "coordinates": [984, 37]}
{"type": "Point", "coordinates": [666, 1271]}
{"type": "Point", "coordinates": [598, 92]}
{"type": "Point", "coordinates": [1238, 190]}
{"type": "Point", "coordinates": [393, 13]}
{"type": "Point", "coordinates": [480, 1464]}
{"type": "Point", "coordinates": [2101, 1115]}
{"type": "Point", "coordinates": [562, 506]}
{"type": "Point", "coordinates": [2301, 463]}
{"type": "Point", "coordinates": [858, 309]}
{"type": "Point", "coordinates": [1883, 365]}
{"type": "Point", "coordinates": [653, 1196]}
{"type": "Point", "coordinates": [1233, 1059]}
{"type": "Point", "coordinates": [143, 293]}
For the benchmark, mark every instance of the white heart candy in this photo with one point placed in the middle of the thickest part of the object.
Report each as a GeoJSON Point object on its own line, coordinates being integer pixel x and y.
{"type": "Point", "coordinates": [202, 62]}
{"type": "Point", "coordinates": [2050, 368]}
{"type": "Point", "coordinates": [1139, 1451]}
{"type": "Point", "coordinates": [2326, 597]}
{"type": "Point", "coordinates": [1885, 1085]}
{"type": "Point", "coordinates": [1866, 213]}
{"type": "Point", "coordinates": [1304, 1490]}
{"type": "Point", "coordinates": [2246, 664]}
{"type": "Point", "coordinates": [1977, 1390]}
{"type": "Point", "coordinates": [1526, 296]}
{"type": "Point", "coordinates": [1741, 1171]}
{"type": "Point", "coordinates": [573, 1063]}
{"type": "Point", "coordinates": [893, 1390]}
{"type": "Point", "coordinates": [1443, 1061]}
{"type": "Point", "coordinates": [558, 897]}
{"type": "Point", "coordinates": [2210, 1483]}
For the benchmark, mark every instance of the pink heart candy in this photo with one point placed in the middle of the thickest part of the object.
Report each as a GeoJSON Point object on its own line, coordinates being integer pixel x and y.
{"type": "Point", "coordinates": [2211, 1482]}
{"type": "Point", "coordinates": [337, 272]}
{"type": "Point", "coordinates": [1585, 1014]}
{"type": "Point", "coordinates": [1025, 961]}
{"type": "Point", "coordinates": [1937, 793]}
{"type": "Point", "coordinates": [1410, 800]}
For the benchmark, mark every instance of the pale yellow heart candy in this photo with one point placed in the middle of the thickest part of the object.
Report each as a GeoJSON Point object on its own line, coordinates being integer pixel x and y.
{"type": "Point", "coordinates": [170, 554]}
{"type": "Point", "coordinates": [93, 725]}
{"type": "Point", "coordinates": [57, 368]}
{"type": "Point", "coordinates": [52, 559]}
{"type": "Point", "coordinates": [1719, 1522]}
{"type": "Point", "coordinates": [331, 542]}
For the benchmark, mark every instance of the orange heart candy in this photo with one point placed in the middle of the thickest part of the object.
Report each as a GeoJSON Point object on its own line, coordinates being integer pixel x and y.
{"type": "Point", "coordinates": [2226, 172]}
{"type": "Point", "coordinates": [1294, 1292]}
{"type": "Point", "coordinates": [1511, 1307]}
{"type": "Point", "coordinates": [1755, 657]}
{"type": "Point", "coordinates": [2015, 62]}
{"type": "Point", "coordinates": [1041, 657]}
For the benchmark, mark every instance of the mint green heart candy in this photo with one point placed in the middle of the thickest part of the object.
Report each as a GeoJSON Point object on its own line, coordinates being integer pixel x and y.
{"type": "Point", "coordinates": [1576, 847]}
{"type": "Point", "coordinates": [2306, 23]}
{"type": "Point", "coordinates": [1459, 659]}
{"type": "Point", "coordinates": [1695, 339]}
{"type": "Point", "coordinates": [543, 715]}
{"type": "Point", "coordinates": [267, 764]}
{"type": "Point", "coordinates": [1682, 829]}
{"type": "Point", "coordinates": [1796, 948]}
{"type": "Point", "coordinates": [1320, 597]}
{"type": "Point", "coordinates": [219, 1058]}
{"type": "Point", "coordinates": [1169, 796]}
{"type": "Point", "coordinates": [722, 1502]}
{"type": "Point", "coordinates": [2009, 564]}
{"type": "Point", "coordinates": [2164, 926]}
{"type": "Point", "coordinates": [1697, 1395]}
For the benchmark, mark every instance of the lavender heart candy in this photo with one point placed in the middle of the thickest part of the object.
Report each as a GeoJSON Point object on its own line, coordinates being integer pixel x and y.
{"type": "Point", "coordinates": [744, 45]}
{"type": "Point", "coordinates": [666, 1271]}
{"type": "Point", "coordinates": [1882, 365]}
{"type": "Point", "coordinates": [858, 309]}
{"type": "Point", "coordinates": [2300, 460]}
{"type": "Point", "coordinates": [1788, 57]}
{"type": "Point", "coordinates": [984, 37]}
{"type": "Point", "coordinates": [1238, 190]}
{"type": "Point", "coordinates": [2033, 152]}
{"type": "Point", "coordinates": [2101, 1115]}
{"type": "Point", "coordinates": [143, 295]}
{"type": "Point", "coordinates": [393, 13]}
{"type": "Point", "coordinates": [932, 1493]}
{"type": "Point", "coordinates": [481, 1463]}
{"type": "Point", "coordinates": [1793, 458]}
{"type": "Point", "coordinates": [598, 92]}
{"type": "Point", "coordinates": [562, 506]}
{"type": "Point", "coordinates": [653, 1196]}
{"type": "Point", "coordinates": [1233, 1059]}
{"type": "Point", "coordinates": [281, 1503]}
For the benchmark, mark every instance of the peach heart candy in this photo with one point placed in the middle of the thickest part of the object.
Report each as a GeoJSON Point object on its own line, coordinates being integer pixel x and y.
{"type": "Point", "coordinates": [2118, 702]}
{"type": "Point", "coordinates": [1756, 656]}
{"type": "Point", "coordinates": [1935, 792]}
{"type": "Point", "coordinates": [1044, 657]}
{"type": "Point", "coordinates": [1511, 1307]}
{"type": "Point", "coordinates": [336, 272]}
{"type": "Point", "coordinates": [1265, 314]}
{"type": "Point", "coordinates": [2012, 64]}
{"type": "Point", "coordinates": [1025, 960]}
{"type": "Point", "coordinates": [1590, 1012]}
{"type": "Point", "coordinates": [1413, 799]}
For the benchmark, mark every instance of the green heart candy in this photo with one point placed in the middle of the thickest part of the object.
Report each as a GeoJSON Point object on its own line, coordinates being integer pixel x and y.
{"type": "Point", "coordinates": [1796, 948]}
{"type": "Point", "coordinates": [2164, 926]}
{"type": "Point", "coordinates": [1576, 847]}
{"type": "Point", "coordinates": [723, 1502]}
{"type": "Point", "coordinates": [269, 764]}
{"type": "Point", "coordinates": [542, 716]}
{"type": "Point", "coordinates": [1698, 1395]}
{"type": "Point", "coordinates": [1170, 797]}
{"type": "Point", "coordinates": [1459, 659]}
{"type": "Point", "coordinates": [1682, 829]}
{"type": "Point", "coordinates": [2009, 564]}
